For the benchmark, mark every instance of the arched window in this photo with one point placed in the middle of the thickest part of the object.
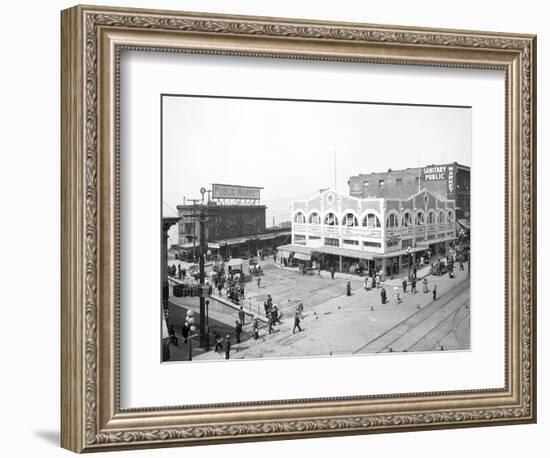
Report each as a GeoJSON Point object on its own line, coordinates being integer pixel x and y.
{"type": "Point", "coordinates": [407, 219]}
{"type": "Point", "coordinates": [450, 216]}
{"type": "Point", "coordinates": [314, 218]}
{"type": "Point", "coordinates": [431, 217]}
{"type": "Point", "coordinates": [392, 221]}
{"type": "Point", "coordinates": [299, 218]}
{"type": "Point", "coordinates": [371, 220]}
{"type": "Point", "coordinates": [331, 219]}
{"type": "Point", "coordinates": [350, 220]}
{"type": "Point", "coordinates": [420, 220]}
{"type": "Point", "coordinates": [441, 216]}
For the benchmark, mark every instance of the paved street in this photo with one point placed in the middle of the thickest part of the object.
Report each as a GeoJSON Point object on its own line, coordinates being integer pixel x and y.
{"type": "Point", "coordinates": [336, 324]}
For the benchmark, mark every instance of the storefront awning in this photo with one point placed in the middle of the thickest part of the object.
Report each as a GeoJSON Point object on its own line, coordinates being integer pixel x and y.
{"type": "Point", "coordinates": [302, 257]}
{"type": "Point", "coordinates": [294, 249]}
{"type": "Point", "coordinates": [346, 252]}
{"type": "Point", "coordinates": [213, 246]}
{"type": "Point", "coordinates": [402, 252]}
{"type": "Point", "coordinates": [464, 223]}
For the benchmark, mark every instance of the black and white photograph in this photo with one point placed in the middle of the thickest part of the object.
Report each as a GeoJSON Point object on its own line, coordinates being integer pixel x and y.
{"type": "Point", "coordinates": [313, 228]}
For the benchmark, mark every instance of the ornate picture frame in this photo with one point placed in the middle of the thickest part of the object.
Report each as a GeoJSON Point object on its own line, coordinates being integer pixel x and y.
{"type": "Point", "coordinates": [92, 39]}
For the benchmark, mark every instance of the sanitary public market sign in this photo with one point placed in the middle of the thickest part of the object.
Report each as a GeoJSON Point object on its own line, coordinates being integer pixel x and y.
{"type": "Point", "coordinates": [441, 173]}
{"type": "Point", "coordinates": [228, 191]}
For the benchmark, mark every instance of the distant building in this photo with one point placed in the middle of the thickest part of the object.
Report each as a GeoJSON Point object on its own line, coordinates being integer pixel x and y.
{"type": "Point", "coordinates": [224, 221]}
{"type": "Point", "coordinates": [236, 222]}
{"type": "Point", "coordinates": [378, 233]}
{"type": "Point", "coordinates": [449, 181]}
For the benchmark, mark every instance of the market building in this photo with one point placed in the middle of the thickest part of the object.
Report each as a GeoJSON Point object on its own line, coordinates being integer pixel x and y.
{"type": "Point", "coordinates": [375, 233]}
{"type": "Point", "coordinates": [235, 223]}
{"type": "Point", "coordinates": [450, 181]}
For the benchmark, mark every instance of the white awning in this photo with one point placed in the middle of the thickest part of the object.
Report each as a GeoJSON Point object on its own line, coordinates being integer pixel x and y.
{"type": "Point", "coordinates": [302, 257]}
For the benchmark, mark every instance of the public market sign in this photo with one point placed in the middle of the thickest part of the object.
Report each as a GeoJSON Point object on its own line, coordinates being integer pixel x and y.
{"type": "Point", "coordinates": [227, 191]}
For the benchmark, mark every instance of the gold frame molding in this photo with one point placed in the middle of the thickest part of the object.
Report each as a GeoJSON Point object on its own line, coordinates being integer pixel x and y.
{"type": "Point", "coordinates": [92, 38]}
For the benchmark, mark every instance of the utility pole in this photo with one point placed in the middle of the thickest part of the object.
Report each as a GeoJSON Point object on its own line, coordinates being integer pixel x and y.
{"type": "Point", "coordinates": [202, 218]}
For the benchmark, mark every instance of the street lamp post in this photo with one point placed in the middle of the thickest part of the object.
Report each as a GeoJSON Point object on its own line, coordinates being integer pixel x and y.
{"type": "Point", "coordinates": [410, 259]}
{"type": "Point", "coordinates": [189, 322]}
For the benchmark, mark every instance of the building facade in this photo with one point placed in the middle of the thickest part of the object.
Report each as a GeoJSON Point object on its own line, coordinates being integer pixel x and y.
{"type": "Point", "coordinates": [235, 223]}
{"type": "Point", "coordinates": [449, 181]}
{"type": "Point", "coordinates": [378, 233]}
{"type": "Point", "coordinates": [223, 221]}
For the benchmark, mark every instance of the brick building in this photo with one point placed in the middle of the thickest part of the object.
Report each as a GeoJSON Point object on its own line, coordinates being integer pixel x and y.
{"type": "Point", "coordinates": [449, 181]}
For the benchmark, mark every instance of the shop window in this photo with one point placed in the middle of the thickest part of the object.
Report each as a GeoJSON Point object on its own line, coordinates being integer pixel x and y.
{"type": "Point", "coordinates": [299, 239]}
{"type": "Point", "coordinates": [450, 216]}
{"type": "Point", "coordinates": [372, 244]}
{"type": "Point", "coordinates": [331, 220]}
{"type": "Point", "coordinates": [314, 218]}
{"type": "Point", "coordinates": [299, 218]}
{"type": "Point", "coordinates": [350, 242]}
{"type": "Point", "coordinates": [371, 220]}
{"type": "Point", "coordinates": [332, 242]}
{"type": "Point", "coordinates": [392, 220]}
{"type": "Point", "coordinates": [350, 220]}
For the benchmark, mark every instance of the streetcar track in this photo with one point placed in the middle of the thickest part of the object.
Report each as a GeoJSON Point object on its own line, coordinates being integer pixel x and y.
{"type": "Point", "coordinates": [441, 322]}
{"type": "Point", "coordinates": [437, 306]}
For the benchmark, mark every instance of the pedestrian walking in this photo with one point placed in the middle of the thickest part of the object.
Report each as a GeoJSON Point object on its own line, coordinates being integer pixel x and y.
{"type": "Point", "coordinates": [172, 333]}
{"type": "Point", "coordinates": [413, 285]}
{"type": "Point", "coordinates": [227, 346]}
{"type": "Point", "coordinates": [383, 295]}
{"type": "Point", "coordinates": [366, 286]}
{"type": "Point", "coordinates": [461, 263]}
{"type": "Point", "coordinates": [255, 328]}
{"type": "Point", "coordinates": [238, 330]}
{"type": "Point", "coordinates": [218, 342]}
{"type": "Point", "coordinates": [300, 309]}
{"type": "Point", "coordinates": [414, 271]}
{"type": "Point", "coordinates": [396, 295]}
{"type": "Point", "coordinates": [266, 308]}
{"type": "Point", "coordinates": [241, 315]}
{"type": "Point", "coordinates": [348, 289]}
{"type": "Point", "coordinates": [332, 271]}
{"type": "Point", "coordinates": [425, 285]}
{"type": "Point", "coordinates": [276, 315]}
{"type": "Point", "coordinates": [185, 332]}
{"type": "Point", "coordinates": [270, 323]}
{"type": "Point", "coordinates": [258, 281]}
{"type": "Point", "coordinates": [434, 292]}
{"type": "Point", "coordinates": [296, 323]}
{"type": "Point", "coordinates": [404, 283]}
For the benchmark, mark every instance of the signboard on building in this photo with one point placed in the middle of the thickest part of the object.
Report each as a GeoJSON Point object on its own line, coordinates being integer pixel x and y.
{"type": "Point", "coordinates": [228, 191]}
{"type": "Point", "coordinates": [441, 173]}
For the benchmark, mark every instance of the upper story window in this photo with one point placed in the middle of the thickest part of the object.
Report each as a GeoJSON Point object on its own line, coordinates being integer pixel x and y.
{"type": "Point", "coordinates": [420, 218]}
{"type": "Point", "coordinates": [371, 220]}
{"type": "Point", "coordinates": [331, 219]}
{"type": "Point", "coordinates": [450, 216]}
{"type": "Point", "coordinates": [299, 218]}
{"type": "Point", "coordinates": [407, 219]}
{"type": "Point", "coordinates": [431, 217]}
{"type": "Point", "coordinates": [441, 217]}
{"type": "Point", "coordinates": [380, 182]}
{"type": "Point", "coordinates": [314, 218]}
{"type": "Point", "coordinates": [392, 221]}
{"type": "Point", "coordinates": [350, 220]}
{"type": "Point", "coordinates": [399, 182]}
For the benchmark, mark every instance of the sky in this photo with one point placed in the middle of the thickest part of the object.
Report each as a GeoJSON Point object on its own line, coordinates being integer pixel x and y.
{"type": "Point", "coordinates": [294, 148]}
